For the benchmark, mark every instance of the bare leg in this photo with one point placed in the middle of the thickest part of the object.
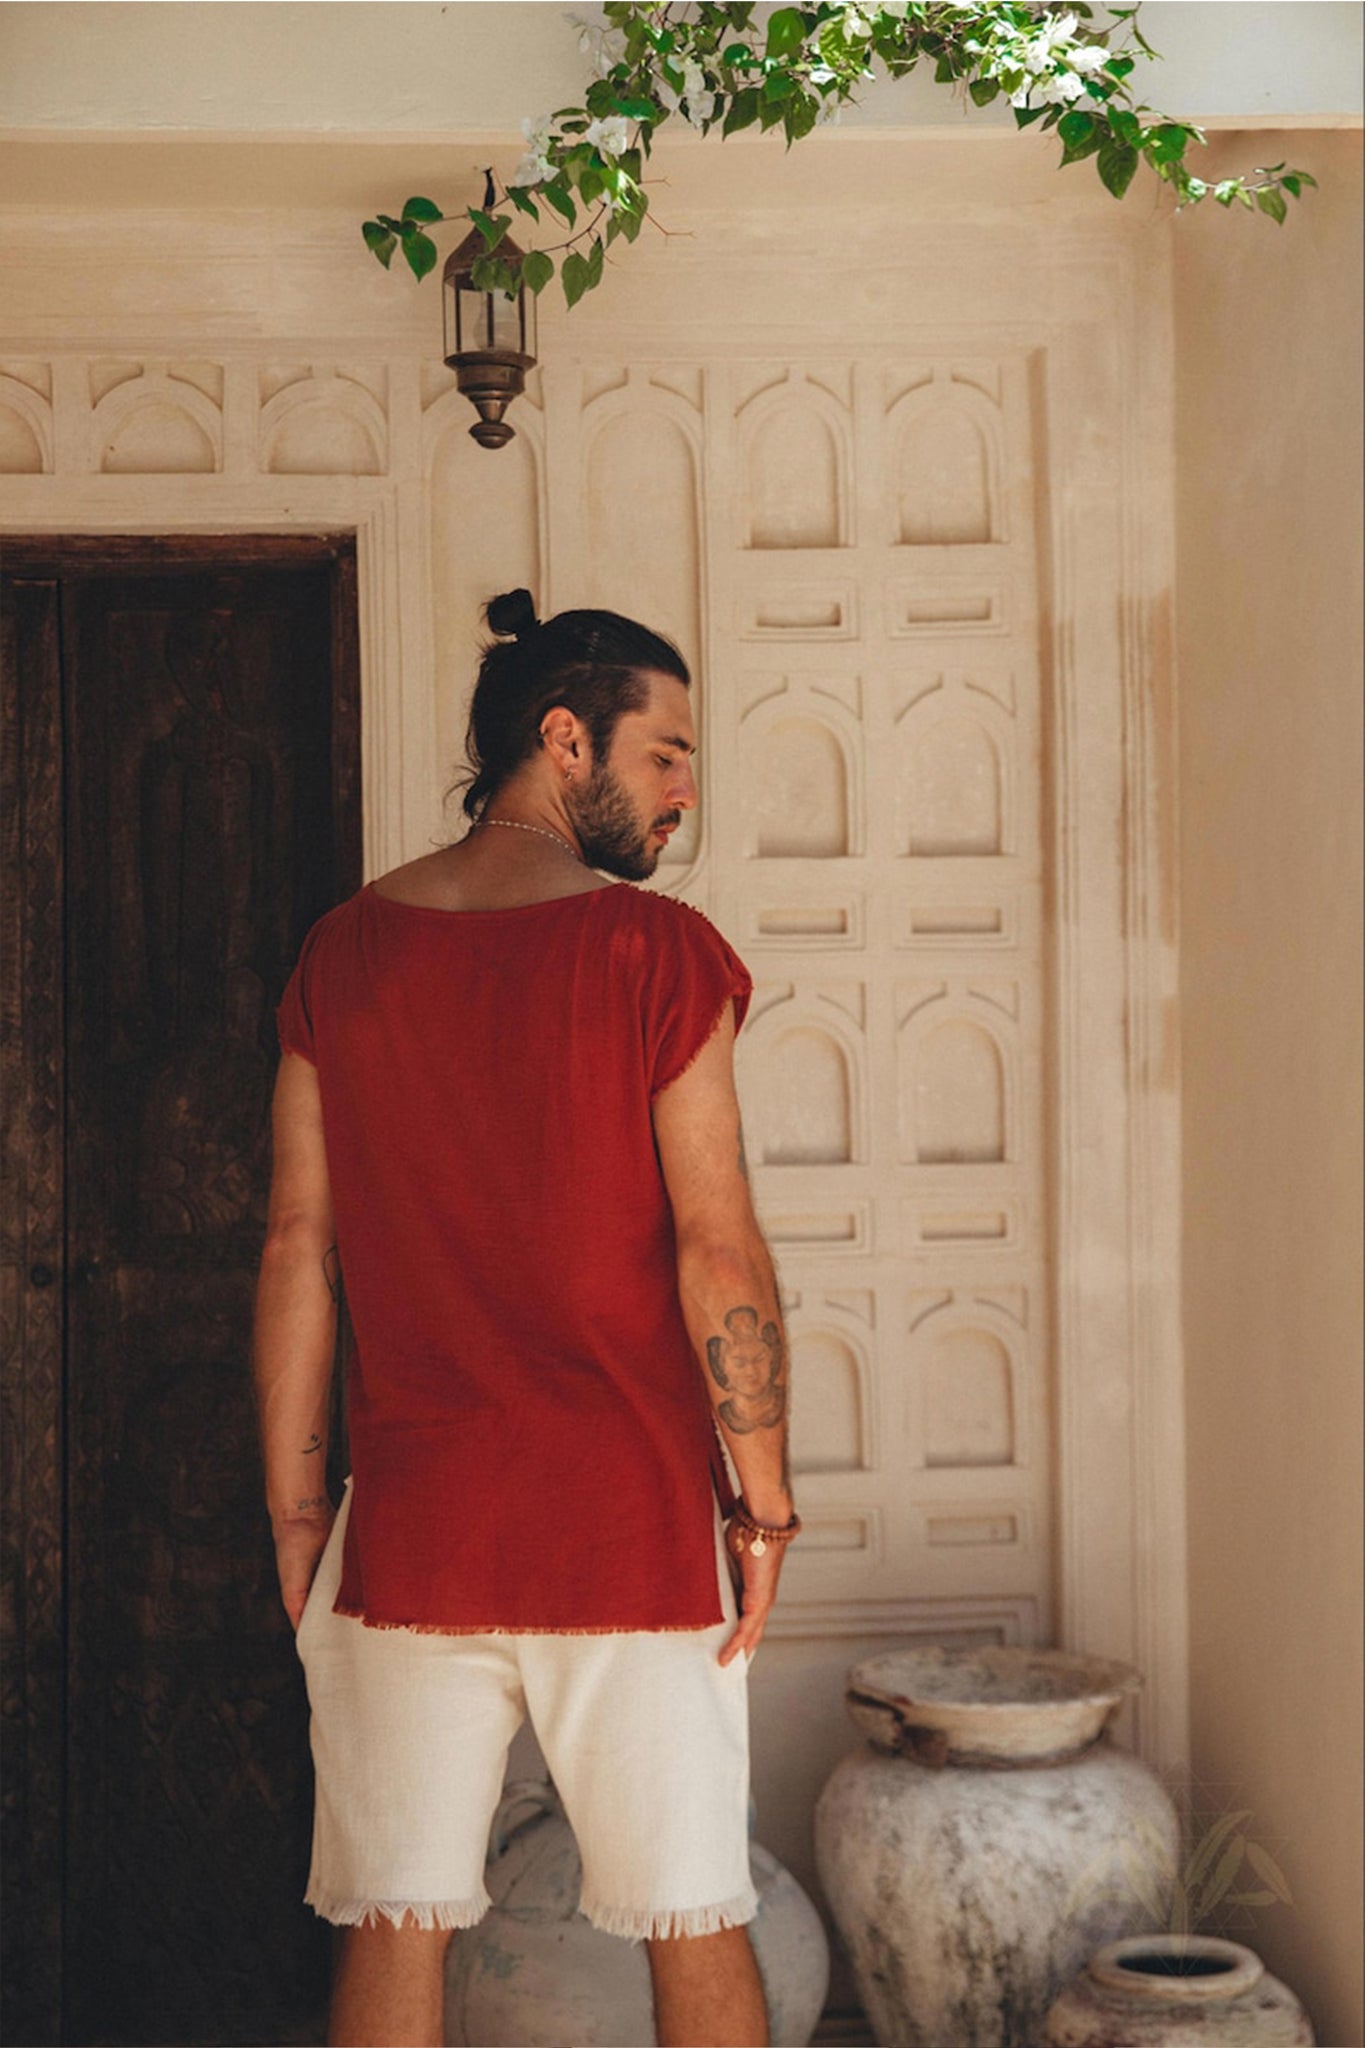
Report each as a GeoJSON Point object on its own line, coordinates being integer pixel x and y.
{"type": "Point", "coordinates": [389, 1986]}
{"type": "Point", "coordinates": [707, 1991]}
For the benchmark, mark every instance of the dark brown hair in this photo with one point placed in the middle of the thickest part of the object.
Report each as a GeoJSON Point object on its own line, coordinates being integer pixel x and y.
{"type": "Point", "coordinates": [593, 662]}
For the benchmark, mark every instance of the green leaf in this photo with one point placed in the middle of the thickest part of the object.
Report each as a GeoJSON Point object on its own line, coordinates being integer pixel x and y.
{"type": "Point", "coordinates": [523, 201]}
{"type": "Point", "coordinates": [491, 227]}
{"type": "Point", "coordinates": [380, 241]}
{"type": "Point", "coordinates": [557, 196]}
{"type": "Point", "coordinates": [1116, 164]}
{"type": "Point", "coordinates": [591, 184]}
{"type": "Point", "coordinates": [786, 32]}
{"type": "Point", "coordinates": [1126, 126]}
{"type": "Point", "coordinates": [778, 85]}
{"type": "Point", "coordinates": [768, 115]}
{"type": "Point", "coordinates": [638, 110]}
{"type": "Point", "coordinates": [1118, 67]}
{"type": "Point", "coordinates": [573, 275]}
{"type": "Point", "coordinates": [1075, 127]}
{"type": "Point", "coordinates": [421, 209]}
{"type": "Point", "coordinates": [943, 70]}
{"type": "Point", "coordinates": [1271, 200]}
{"type": "Point", "coordinates": [743, 111]}
{"type": "Point", "coordinates": [537, 270]}
{"type": "Point", "coordinates": [1290, 181]}
{"type": "Point", "coordinates": [799, 116]}
{"type": "Point", "coordinates": [420, 251]}
{"type": "Point", "coordinates": [595, 262]}
{"type": "Point", "coordinates": [1167, 141]}
{"type": "Point", "coordinates": [1025, 115]}
{"type": "Point", "coordinates": [984, 90]}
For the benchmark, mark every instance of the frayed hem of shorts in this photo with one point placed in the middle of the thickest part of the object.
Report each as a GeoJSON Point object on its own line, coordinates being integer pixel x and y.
{"type": "Point", "coordinates": [670, 1923]}
{"type": "Point", "coordinates": [484, 1628]}
{"type": "Point", "coordinates": [427, 1913]}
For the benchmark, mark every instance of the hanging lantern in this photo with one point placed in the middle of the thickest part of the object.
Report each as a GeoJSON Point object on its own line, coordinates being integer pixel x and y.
{"type": "Point", "coordinates": [490, 339]}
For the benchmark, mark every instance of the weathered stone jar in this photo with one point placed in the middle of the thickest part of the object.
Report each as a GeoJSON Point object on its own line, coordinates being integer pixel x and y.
{"type": "Point", "coordinates": [536, 1974]}
{"type": "Point", "coordinates": [973, 1851]}
{"type": "Point", "coordinates": [1176, 1991]}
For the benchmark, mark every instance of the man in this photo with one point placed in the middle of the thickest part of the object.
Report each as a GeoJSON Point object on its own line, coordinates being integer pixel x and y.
{"type": "Point", "coordinates": [507, 1105]}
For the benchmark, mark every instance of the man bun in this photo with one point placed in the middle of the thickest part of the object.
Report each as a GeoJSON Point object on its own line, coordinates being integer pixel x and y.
{"type": "Point", "coordinates": [512, 615]}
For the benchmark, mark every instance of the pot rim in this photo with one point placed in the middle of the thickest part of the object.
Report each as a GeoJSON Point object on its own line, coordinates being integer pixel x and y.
{"type": "Point", "coordinates": [1244, 1968]}
{"type": "Point", "coordinates": [1110, 1679]}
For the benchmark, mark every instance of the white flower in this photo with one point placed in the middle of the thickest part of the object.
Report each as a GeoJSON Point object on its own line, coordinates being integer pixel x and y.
{"type": "Point", "coordinates": [1059, 90]}
{"type": "Point", "coordinates": [1059, 28]}
{"type": "Point", "coordinates": [1089, 59]}
{"type": "Point", "coordinates": [856, 24]}
{"type": "Point", "coordinates": [539, 133]}
{"type": "Point", "coordinates": [897, 9]}
{"type": "Point", "coordinates": [602, 46]}
{"type": "Point", "coordinates": [611, 135]}
{"type": "Point", "coordinates": [531, 170]}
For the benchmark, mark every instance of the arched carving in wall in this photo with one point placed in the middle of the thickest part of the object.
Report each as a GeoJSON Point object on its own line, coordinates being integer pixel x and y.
{"type": "Point", "coordinates": [795, 469]}
{"type": "Point", "coordinates": [968, 1398]}
{"type": "Point", "coordinates": [954, 1094]}
{"type": "Point", "coordinates": [828, 1423]}
{"type": "Point", "coordinates": [801, 794]}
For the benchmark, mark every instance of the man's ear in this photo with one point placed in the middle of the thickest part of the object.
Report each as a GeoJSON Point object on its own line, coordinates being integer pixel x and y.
{"type": "Point", "coordinates": [564, 737]}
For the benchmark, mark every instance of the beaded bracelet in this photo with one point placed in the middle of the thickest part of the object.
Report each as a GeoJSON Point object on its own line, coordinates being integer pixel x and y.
{"type": "Point", "coordinates": [760, 1534]}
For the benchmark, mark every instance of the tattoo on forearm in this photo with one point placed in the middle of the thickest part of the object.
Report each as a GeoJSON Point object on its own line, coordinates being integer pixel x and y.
{"type": "Point", "coordinates": [331, 1271]}
{"type": "Point", "coordinates": [314, 1443]}
{"type": "Point", "coordinates": [316, 1500]}
{"type": "Point", "coordinates": [750, 1364]}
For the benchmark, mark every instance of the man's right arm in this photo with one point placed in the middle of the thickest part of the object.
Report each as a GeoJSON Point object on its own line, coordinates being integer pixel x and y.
{"type": "Point", "coordinates": [729, 1298]}
{"type": "Point", "coordinates": [295, 1332]}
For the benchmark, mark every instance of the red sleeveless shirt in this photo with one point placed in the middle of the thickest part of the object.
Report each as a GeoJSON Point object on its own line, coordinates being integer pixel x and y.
{"type": "Point", "coordinates": [531, 1438]}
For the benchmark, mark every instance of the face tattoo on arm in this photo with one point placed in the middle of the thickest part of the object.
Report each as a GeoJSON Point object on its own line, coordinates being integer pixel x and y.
{"type": "Point", "coordinates": [748, 1363]}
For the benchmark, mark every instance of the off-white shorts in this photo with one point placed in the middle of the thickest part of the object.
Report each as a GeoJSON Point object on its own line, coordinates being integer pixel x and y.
{"type": "Point", "coordinates": [645, 1734]}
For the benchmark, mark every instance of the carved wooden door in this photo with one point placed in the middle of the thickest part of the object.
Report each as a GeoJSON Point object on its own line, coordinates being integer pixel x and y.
{"type": "Point", "coordinates": [182, 802]}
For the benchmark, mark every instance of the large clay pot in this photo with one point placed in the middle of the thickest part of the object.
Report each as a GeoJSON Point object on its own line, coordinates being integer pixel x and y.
{"type": "Point", "coordinates": [1176, 1991]}
{"type": "Point", "coordinates": [973, 1850]}
{"type": "Point", "coordinates": [535, 1973]}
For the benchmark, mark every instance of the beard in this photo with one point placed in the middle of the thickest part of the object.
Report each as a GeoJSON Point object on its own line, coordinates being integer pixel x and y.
{"type": "Point", "coordinates": [609, 832]}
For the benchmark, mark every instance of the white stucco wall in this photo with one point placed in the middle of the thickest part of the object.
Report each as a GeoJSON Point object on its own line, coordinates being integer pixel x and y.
{"type": "Point", "coordinates": [274, 64]}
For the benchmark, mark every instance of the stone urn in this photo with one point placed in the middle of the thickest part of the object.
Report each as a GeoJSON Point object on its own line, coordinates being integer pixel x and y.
{"type": "Point", "coordinates": [1176, 1991]}
{"type": "Point", "coordinates": [980, 1846]}
{"type": "Point", "coordinates": [535, 1973]}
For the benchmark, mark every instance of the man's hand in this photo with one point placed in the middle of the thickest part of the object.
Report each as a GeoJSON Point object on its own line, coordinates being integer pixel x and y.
{"type": "Point", "coordinates": [298, 1552]}
{"type": "Point", "coordinates": [755, 1581]}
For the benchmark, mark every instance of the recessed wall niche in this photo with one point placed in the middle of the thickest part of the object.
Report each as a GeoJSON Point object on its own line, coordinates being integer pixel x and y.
{"type": "Point", "coordinates": [968, 1399]}
{"type": "Point", "coordinates": [827, 1420]}
{"type": "Point", "coordinates": [795, 465]}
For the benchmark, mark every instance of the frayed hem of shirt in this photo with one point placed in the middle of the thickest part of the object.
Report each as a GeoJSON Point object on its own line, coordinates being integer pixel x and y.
{"type": "Point", "coordinates": [669, 1924]}
{"type": "Point", "coordinates": [426, 1913]}
{"type": "Point", "coordinates": [657, 1090]}
{"type": "Point", "coordinates": [478, 1628]}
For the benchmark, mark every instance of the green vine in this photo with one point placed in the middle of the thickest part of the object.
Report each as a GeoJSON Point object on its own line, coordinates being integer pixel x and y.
{"type": "Point", "coordinates": [710, 63]}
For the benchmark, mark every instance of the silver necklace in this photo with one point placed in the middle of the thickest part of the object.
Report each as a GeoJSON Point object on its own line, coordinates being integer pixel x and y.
{"type": "Point", "coordinates": [515, 825]}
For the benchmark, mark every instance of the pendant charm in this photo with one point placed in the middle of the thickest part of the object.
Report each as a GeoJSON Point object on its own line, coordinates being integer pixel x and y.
{"type": "Point", "coordinates": [757, 1547]}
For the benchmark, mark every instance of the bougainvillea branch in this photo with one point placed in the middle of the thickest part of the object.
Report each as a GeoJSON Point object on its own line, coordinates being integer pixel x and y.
{"type": "Point", "coordinates": [713, 66]}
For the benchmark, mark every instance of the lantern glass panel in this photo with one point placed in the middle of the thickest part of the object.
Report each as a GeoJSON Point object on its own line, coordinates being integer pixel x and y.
{"type": "Point", "coordinates": [488, 320]}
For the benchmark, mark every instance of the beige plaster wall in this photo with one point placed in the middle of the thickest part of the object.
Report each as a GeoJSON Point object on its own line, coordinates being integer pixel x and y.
{"type": "Point", "coordinates": [1268, 445]}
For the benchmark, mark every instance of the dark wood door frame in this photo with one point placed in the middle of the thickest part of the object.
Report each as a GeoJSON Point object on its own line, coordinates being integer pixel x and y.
{"type": "Point", "coordinates": [32, 1251]}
